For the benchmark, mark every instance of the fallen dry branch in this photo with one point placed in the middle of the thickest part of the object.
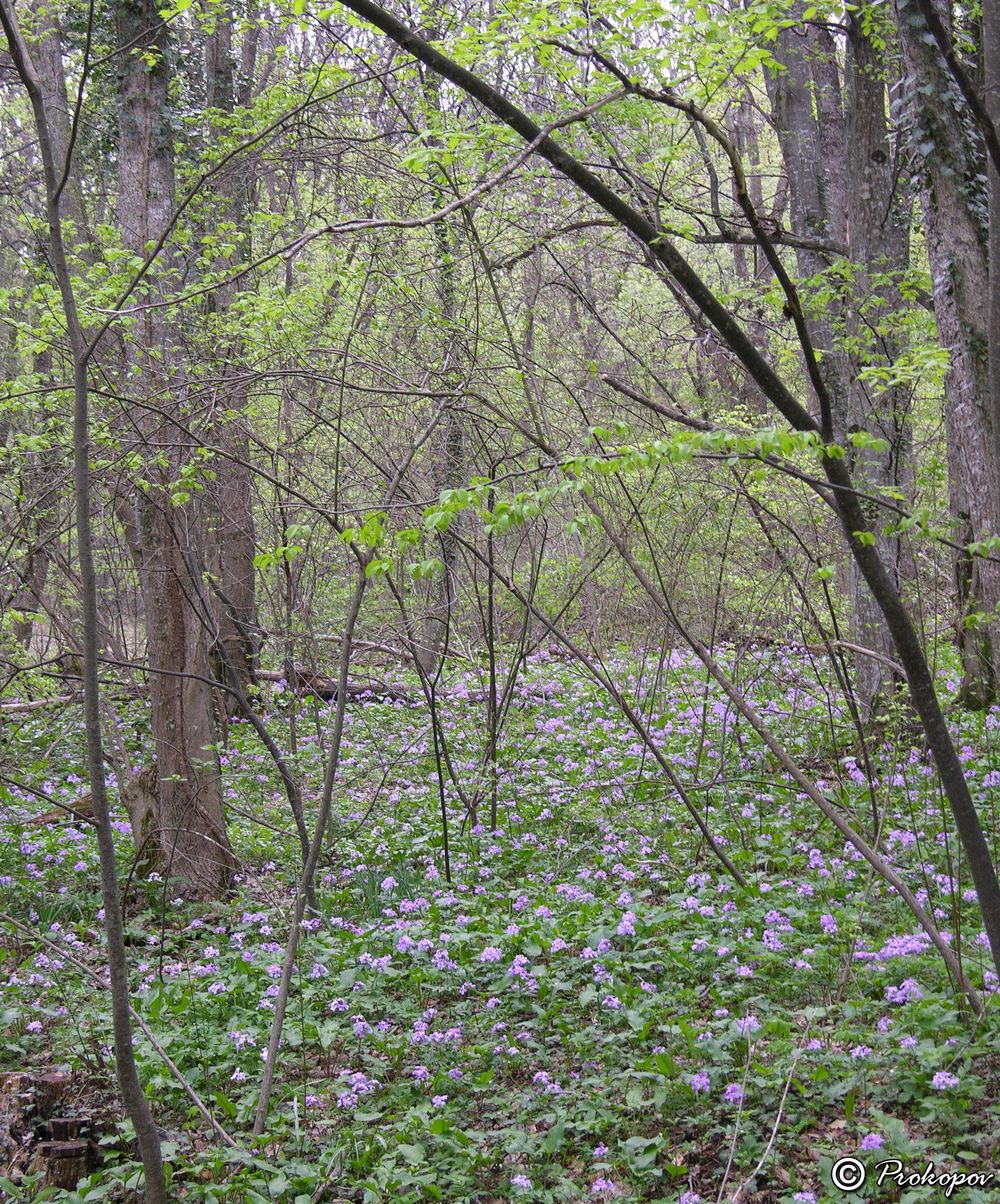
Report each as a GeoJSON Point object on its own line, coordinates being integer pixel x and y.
{"type": "Point", "coordinates": [15, 708]}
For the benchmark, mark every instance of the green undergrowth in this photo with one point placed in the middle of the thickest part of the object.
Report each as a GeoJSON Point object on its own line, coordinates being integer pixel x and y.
{"type": "Point", "coordinates": [590, 1009]}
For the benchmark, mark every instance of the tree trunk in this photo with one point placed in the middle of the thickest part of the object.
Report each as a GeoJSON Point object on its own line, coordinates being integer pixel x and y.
{"type": "Point", "coordinates": [878, 238]}
{"type": "Point", "coordinates": [230, 531]}
{"type": "Point", "coordinates": [449, 445]}
{"type": "Point", "coordinates": [47, 51]}
{"type": "Point", "coordinates": [818, 204]}
{"type": "Point", "coordinates": [991, 89]}
{"type": "Point", "coordinates": [42, 468]}
{"type": "Point", "coordinates": [840, 186]}
{"type": "Point", "coordinates": [951, 166]}
{"type": "Point", "coordinates": [186, 839]}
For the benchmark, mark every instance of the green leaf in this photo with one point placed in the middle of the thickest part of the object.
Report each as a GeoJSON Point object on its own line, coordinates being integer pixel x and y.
{"type": "Point", "coordinates": [555, 1138]}
{"type": "Point", "coordinates": [377, 567]}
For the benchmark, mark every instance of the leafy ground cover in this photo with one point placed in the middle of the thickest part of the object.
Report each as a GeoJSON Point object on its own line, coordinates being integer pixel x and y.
{"type": "Point", "coordinates": [589, 1009]}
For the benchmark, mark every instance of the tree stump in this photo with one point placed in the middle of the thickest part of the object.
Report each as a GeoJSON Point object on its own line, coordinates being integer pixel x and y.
{"type": "Point", "coordinates": [55, 1145]}
{"type": "Point", "coordinates": [51, 1089]}
{"type": "Point", "coordinates": [68, 1128]}
{"type": "Point", "coordinates": [64, 1162]}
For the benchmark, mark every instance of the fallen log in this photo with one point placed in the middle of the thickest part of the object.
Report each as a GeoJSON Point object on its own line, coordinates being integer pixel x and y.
{"type": "Point", "coordinates": [81, 810]}
{"type": "Point", "coordinates": [321, 686]}
{"type": "Point", "coordinates": [310, 682]}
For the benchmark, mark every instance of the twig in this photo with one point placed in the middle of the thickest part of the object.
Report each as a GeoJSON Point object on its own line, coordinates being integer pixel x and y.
{"type": "Point", "coordinates": [328, 1182]}
{"type": "Point", "coordinates": [737, 1196]}
{"type": "Point", "coordinates": [869, 652]}
{"type": "Point", "coordinates": [487, 185]}
{"type": "Point", "coordinates": [739, 1116]}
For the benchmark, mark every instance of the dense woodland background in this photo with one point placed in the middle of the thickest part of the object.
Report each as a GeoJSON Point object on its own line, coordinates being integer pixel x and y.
{"type": "Point", "coordinates": [505, 484]}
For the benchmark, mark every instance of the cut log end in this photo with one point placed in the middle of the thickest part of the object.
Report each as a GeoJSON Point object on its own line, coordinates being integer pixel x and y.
{"type": "Point", "coordinates": [65, 1163]}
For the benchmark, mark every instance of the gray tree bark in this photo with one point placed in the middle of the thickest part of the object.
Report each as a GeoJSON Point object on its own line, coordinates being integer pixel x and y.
{"type": "Point", "coordinates": [878, 240]}
{"type": "Point", "coordinates": [42, 468]}
{"type": "Point", "coordinates": [951, 167]}
{"type": "Point", "coordinates": [991, 88]}
{"type": "Point", "coordinates": [835, 148]}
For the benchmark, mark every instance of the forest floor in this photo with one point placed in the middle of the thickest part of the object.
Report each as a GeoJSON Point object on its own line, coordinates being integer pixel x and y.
{"type": "Point", "coordinates": [590, 1009]}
